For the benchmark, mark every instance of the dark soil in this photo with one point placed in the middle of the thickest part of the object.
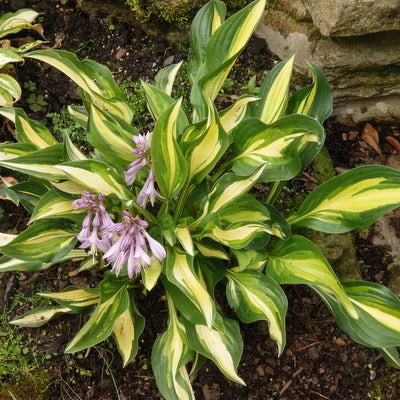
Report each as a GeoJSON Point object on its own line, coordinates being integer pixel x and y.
{"type": "Point", "coordinates": [319, 362]}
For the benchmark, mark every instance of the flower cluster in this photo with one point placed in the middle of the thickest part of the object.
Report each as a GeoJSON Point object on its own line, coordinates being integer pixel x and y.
{"type": "Point", "coordinates": [98, 237]}
{"type": "Point", "coordinates": [142, 154]}
{"type": "Point", "coordinates": [121, 242]}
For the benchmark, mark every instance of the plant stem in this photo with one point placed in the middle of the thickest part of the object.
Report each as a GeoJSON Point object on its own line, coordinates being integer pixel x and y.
{"type": "Point", "coordinates": [181, 201]}
{"type": "Point", "coordinates": [149, 217]}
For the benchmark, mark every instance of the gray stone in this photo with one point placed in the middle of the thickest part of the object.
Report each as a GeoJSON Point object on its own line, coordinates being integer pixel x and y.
{"type": "Point", "coordinates": [354, 17]}
{"type": "Point", "coordinates": [363, 71]}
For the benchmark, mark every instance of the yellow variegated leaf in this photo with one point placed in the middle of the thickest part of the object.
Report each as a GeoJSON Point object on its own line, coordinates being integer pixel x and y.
{"type": "Point", "coordinates": [230, 117]}
{"type": "Point", "coordinates": [151, 274]}
{"type": "Point", "coordinates": [185, 239]}
{"type": "Point", "coordinates": [274, 92]}
{"type": "Point", "coordinates": [39, 316]}
{"type": "Point", "coordinates": [352, 200]}
{"type": "Point", "coordinates": [169, 355]}
{"type": "Point", "coordinates": [180, 272]}
{"type": "Point", "coordinates": [211, 251]}
{"type": "Point", "coordinates": [70, 187]}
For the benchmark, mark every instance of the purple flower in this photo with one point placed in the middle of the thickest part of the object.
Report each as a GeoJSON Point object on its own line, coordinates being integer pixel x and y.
{"type": "Point", "coordinates": [141, 152]}
{"type": "Point", "coordinates": [94, 233]}
{"type": "Point", "coordinates": [148, 191]}
{"type": "Point", "coordinates": [131, 245]}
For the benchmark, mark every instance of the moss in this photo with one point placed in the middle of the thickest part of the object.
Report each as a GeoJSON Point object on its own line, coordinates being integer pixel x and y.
{"type": "Point", "coordinates": [323, 166]}
{"type": "Point", "coordinates": [177, 12]}
{"type": "Point", "coordinates": [28, 388]}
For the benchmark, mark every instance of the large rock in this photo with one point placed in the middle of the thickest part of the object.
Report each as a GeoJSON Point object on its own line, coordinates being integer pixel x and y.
{"type": "Point", "coordinates": [354, 17]}
{"type": "Point", "coordinates": [363, 70]}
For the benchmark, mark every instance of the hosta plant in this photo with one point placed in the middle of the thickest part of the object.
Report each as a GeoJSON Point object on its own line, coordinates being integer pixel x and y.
{"type": "Point", "coordinates": [11, 23]}
{"type": "Point", "coordinates": [175, 208]}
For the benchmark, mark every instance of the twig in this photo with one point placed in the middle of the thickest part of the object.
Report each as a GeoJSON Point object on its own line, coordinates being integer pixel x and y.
{"type": "Point", "coordinates": [286, 387]}
{"type": "Point", "coordinates": [319, 394]}
{"type": "Point", "coordinates": [309, 345]}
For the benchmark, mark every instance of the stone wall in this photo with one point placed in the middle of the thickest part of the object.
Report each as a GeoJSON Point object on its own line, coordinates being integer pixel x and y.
{"type": "Point", "coordinates": [355, 42]}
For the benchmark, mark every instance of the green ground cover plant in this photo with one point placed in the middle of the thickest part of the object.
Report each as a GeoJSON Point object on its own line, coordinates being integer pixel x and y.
{"type": "Point", "coordinates": [173, 208]}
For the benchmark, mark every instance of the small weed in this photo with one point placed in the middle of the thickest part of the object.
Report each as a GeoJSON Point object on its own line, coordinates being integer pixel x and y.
{"type": "Point", "coordinates": [30, 85]}
{"type": "Point", "coordinates": [36, 102]}
{"type": "Point", "coordinates": [251, 86]}
{"type": "Point", "coordinates": [64, 123]}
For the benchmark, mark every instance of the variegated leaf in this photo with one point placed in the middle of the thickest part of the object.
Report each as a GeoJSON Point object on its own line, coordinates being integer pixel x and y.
{"type": "Point", "coordinates": [222, 50]}
{"type": "Point", "coordinates": [8, 56]}
{"type": "Point", "coordinates": [391, 356]}
{"type": "Point", "coordinates": [284, 147]}
{"type": "Point", "coordinates": [109, 138]}
{"type": "Point", "coordinates": [299, 261]}
{"type": "Point", "coordinates": [39, 163]}
{"type": "Point", "coordinates": [97, 176]}
{"type": "Point", "coordinates": [207, 148]}
{"type": "Point", "coordinates": [254, 297]}
{"type": "Point", "coordinates": [39, 316]}
{"type": "Point", "coordinates": [170, 166]}
{"type": "Point", "coordinates": [314, 100]}
{"type": "Point", "coordinates": [164, 80]}
{"type": "Point", "coordinates": [181, 273]}
{"type": "Point", "coordinates": [237, 235]}
{"type": "Point", "coordinates": [169, 357]}
{"type": "Point", "coordinates": [221, 343]}
{"type": "Point", "coordinates": [185, 239]}
{"type": "Point", "coordinates": [126, 331]}
{"type": "Point", "coordinates": [33, 132]}
{"type": "Point", "coordinates": [14, 22]}
{"type": "Point", "coordinates": [13, 264]}
{"type": "Point", "coordinates": [10, 91]}
{"type": "Point", "coordinates": [210, 249]}
{"type": "Point", "coordinates": [151, 274]}
{"type": "Point", "coordinates": [114, 300]}
{"type": "Point", "coordinates": [95, 79]}
{"type": "Point", "coordinates": [10, 150]}
{"type": "Point", "coordinates": [158, 102]}
{"type": "Point", "coordinates": [378, 309]}
{"type": "Point", "coordinates": [79, 114]}
{"type": "Point", "coordinates": [205, 23]}
{"type": "Point", "coordinates": [352, 200]}
{"type": "Point", "coordinates": [70, 151]}
{"type": "Point", "coordinates": [233, 115]}
{"type": "Point", "coordinates": [274, 92]}
{"type": "Point", "coordinates": [46, 241]}
{"type": "Point", "coordinates": [227, 189]}
{"type": "Point", "coordinates": [51, 205]}
{"type": "Point", "coordinates": [30, 192]}
{"type": "Point", "coordinates": [75, 298]}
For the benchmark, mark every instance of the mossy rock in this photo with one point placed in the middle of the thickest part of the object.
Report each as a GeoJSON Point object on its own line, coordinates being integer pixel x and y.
{"type": "Point", "coordinates": [177, 12]}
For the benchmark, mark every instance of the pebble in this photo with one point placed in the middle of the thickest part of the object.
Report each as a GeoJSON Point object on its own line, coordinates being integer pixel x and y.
{"type": "Point", "coordinates": [313, 353]}
{"type": "Point", "coordinates": [340, 342]}
{"type": "Point", "coordinates": [260, 370]}
{"type": "Point", "coordinates": [269, 371]}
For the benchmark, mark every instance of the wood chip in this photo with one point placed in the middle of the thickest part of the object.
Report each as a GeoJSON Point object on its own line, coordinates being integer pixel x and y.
{"type": "Point", "coordinates": [340, 170]}
{"type": "Point", "coordinates": [394, 142]}
{"type": "Point", "coordinates": [344, 136]}
{"type": "Point", "coordinates": [370, 135]}
{"type": "Point", "coordinates": [352, 135]}
{"type": "Point", "coordinates": [120, 54]}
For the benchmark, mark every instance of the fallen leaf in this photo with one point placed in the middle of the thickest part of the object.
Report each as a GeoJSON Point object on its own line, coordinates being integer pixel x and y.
{"type": "Point", "coordinates": [370, 135]}
{"type": "Point", "coordinates": [394, 142]}
{"type": "Point", "coordinates": [5, 44]}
